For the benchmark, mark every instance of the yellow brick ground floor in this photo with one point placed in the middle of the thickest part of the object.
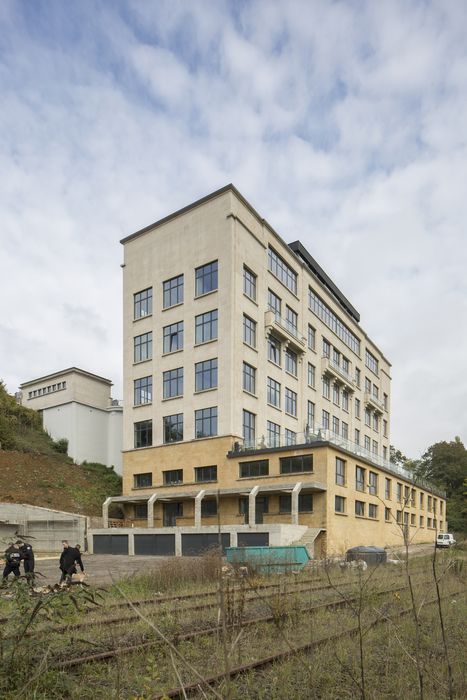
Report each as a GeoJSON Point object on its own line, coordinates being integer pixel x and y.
{"type": "Point", "coordinates": [343, 499]}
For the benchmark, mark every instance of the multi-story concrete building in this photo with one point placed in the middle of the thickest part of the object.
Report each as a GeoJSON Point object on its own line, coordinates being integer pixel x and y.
{"type": "Point", "coordinates": [253, 397]}
{"type": "Point", "coordinates": [77, 405]}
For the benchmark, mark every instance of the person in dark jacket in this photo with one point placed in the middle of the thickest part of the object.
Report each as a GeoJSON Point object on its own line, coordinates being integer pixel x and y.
{"type": "Point", "coordinates": [68, 560]}
{"type": "Point", "coordinates": [27, 556]}
{"type": "Point", "coordinates": [12, 561]}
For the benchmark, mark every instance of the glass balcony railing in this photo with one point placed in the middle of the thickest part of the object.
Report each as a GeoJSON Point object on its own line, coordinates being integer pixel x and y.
{"type": "Point", "coordinates": [319, 434]}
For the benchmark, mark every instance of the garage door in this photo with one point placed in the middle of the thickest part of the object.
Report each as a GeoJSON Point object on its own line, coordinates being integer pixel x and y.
{"type": "Point", "coordinates": [155, 545]}
{"type": "Point", "coordinates": [193, 545]}
{"type": "Point", "coordinates": [253, 539]}
{"type": "Point", "coordinates": [110, 544]}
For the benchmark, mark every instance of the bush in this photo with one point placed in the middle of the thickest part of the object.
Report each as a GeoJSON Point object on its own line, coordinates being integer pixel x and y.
{"type": "Point", "coordinates": [61, 446]}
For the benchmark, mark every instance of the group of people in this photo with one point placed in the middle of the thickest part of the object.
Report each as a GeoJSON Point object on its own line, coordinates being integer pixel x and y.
{"type": "Point", "coordinates": [21, 551]}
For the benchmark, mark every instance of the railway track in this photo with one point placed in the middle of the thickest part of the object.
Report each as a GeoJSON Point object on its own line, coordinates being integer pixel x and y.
{"type": "Point", "coordinates": [186, 690]}
{"type": "Point", "coordinates": [193, 634]}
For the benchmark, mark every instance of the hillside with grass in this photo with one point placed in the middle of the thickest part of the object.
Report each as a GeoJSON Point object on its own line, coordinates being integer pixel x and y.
{"type": "Point", "coordinates": [35, 469]}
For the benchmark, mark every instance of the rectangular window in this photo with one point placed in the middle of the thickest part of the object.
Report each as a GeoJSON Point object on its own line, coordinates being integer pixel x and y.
{"type": "Point", "coordinates": [428, 522]}
{"type": "Point", "coordinates": [339, 504]}
{"type": "Point", "coordinates": [372, 510]}
{"type": "Point", "coordinates": [375, 391]}
{"type": "Point", "coordinates": [206, 278]}
{"type": "Point", "coordinates": [399, 492]}
{"type": "Point", "coordinates": [291, 320]}
{"type": "Point", "coordinates": [374, 447]}
{"type": "Point", "coordinates": [311, 375]}
{"type": "Point", "coordinates": [387, 514]}
{"type": "Point", "coordinates": [340, 471]}
{"type": "Point", "coordinates": [142, 392]}
{"type": "Point", "coordinates": [336, 357]}
{"type": "Point", "coordinates": [274, 304]}
{"type": "Point", "coordinates": [387, 488]}
{"type": "Point", "coordinates": [371, 362]}
{"type": "Point", "coordinates": [367, 417]}
{"type": "Point", "coordinates": [336, 394]}
{"type": "Point", "coordinates": [141, 511]}
{"type": "Point", "coordinates": [326, 418]}
{"type": "Point", "coordinates": [249, 470]}
{"type": "Point", "coordinates": [406, 518]}
{"type": "Point", "coordinates": [357, 408]}
{"type": "Point", "coordinates": [406, 494]}
{"type": "Point", "coordinates": [249, 378]}
{"type": "Point", "coordinates": [335, 425]}
{"type": "Point", "coordinates": [322, 310]}
{"type": "Point", "coordinates": [367, 385]}
{"type": "Point", "coordinates": [326, 388]}
{"type": "Point", "coordinates": [143, 433]}
{"type": "Point", "coordinates": [173, 476]}
{"type": "Point", "coordinates": [206, 327]}
{"type": "Point", "coordinates": [292, 465]}
{"type": "Point", "coordinates": [282, 271]}
{"type": "Point", "coordinates": [385, 401]}
{"type": "Point", "coordinates": [172, 291]}
{"type": "Point", "coordinates": [249, 283]}
{"type": "Point", "coordinates": [290, 437]}
{"type": "Point", "coordinates": [305, 503]}
{"type": "Point", "coordinates": [173, 337]}
{"type": "Point", "coordinates": [412, 497]}
{"type": "Point", "coordinates": [274, 434]}
{"type": "Point", "coordinates": [291, 402]}
{"type": "Point", "coordinates": [359, 478]}
{"type": "Point", "coordinates": [357, 436]}
{"type": "Point", "coordinates": [249, 427]}
{"type": "Point", "coordinates": [412, 518]}
{"type": "Point", "coordinates": [173, 428]}
{"type": "Point", "coordinates": [273, 392]}
{"type": "Point", "coordinates": [421, 521]}
{"type": "Point", "coordinates": [208, 507]}
{"type": "Point", "coordinates": [399, 517]}
{"type": "Point", "coordinates": [291, 362]}
{"type": "Point", "coordinates": [142, 481]}
{"type": "Point", "coordinates": [206, 422]}
{"type": "Point", "coordinates": [372, 483]}
{"type": "Point", "coordinates": [375, 422]}
{"type": "Point", "coordinates": [326, 348]}
{"type": "Point", "coordinates": [310, 415]}
{"type": "Point", "coordinates": [311, 337]}
{"type": "Point", "coordinates": [274, 350]}
{"type": "Point", "coordinates": [429, 503]}
{"type": "Point", "coordinates": [172, 383]}
{"type": "Point", "coordinates": [385, 428]}
{"type": "Point", "coordinates": [143, 347]}
{"type": "Point", "coordinates": [345, 430]}
{"type": "Point", "coordinates": [421, 499]}
{"type": "Point", "coordinates": [345, 400]}
{"type": "Point", "coordinates": [345, 365]}
{"type": "Point", "coordinates": [206, 374]}
{"type": "Point", "coordinates": [142, 303]}
{"type": "Point", "coordinates": [359, 508]}
{"type": "Point", "coordinates": [385, 452]}
{"type": "Point", "coordinates": [249, 331]}
{"type": "Point", "coordinates": [206, 474]}
{"type": "Point", "coordinates": [367, 443]}
{"type": "Point", "coordinates": [358, 375]}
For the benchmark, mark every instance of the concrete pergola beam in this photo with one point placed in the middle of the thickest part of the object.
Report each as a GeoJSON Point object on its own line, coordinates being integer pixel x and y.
{"type": "Point", "coordinates": [252, 505]}
{"type": "Point", "coordinates": [105, 511]}
{"type": "Point", "coordinates": [295, 496]}
{"type": "Point", "coordinates": [151, 500]}
{"type": "Point", "coordinates": [198, 498]}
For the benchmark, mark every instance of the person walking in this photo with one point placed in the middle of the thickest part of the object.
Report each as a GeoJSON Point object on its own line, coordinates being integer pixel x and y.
{"type": "Point", "coordinates": [68, 560]}
{"type": "Point", "coordinates": [27, 555]}
{"type": "Point", "coordinates": [12, 561]}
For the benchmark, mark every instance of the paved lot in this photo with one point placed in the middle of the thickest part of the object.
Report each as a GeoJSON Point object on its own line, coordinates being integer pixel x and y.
{"type": "Point", "coordinates": [100, 568]}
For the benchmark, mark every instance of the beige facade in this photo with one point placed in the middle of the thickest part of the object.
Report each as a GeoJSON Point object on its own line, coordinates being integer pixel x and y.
{"type": "Point", "coordinates": [290, 381]}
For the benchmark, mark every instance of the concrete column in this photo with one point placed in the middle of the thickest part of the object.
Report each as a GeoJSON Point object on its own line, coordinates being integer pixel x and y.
{"type": "Point", "coordinates": [105, 511]}
{"type": "Point", "coordinates": [198, 500]}
{"type": "Point", "coordinates": [178, 543]}
{"type": "Point", "coordinates": [152, 499]}
{"type": "Point", "coordinates": [252, 505]}
{"type": "Point", "coordinates": [295, 494]}
{"type": "Point", "coordinates": [131, 543]}
{"type": "Point", "coordinates": [233, 538]}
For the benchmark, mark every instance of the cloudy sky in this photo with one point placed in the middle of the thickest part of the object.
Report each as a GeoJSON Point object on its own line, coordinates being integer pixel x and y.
{"type": "Point", "coordinates": [343, 123]}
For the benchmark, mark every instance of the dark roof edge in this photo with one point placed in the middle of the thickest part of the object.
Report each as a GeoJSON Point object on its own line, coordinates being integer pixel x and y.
{"type": "Point", "coordinates": [317, 270]}
{"type": "Point", "coordinates": [66, 371]}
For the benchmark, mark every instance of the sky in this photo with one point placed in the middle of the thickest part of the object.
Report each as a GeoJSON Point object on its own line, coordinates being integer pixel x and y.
{"type": "Point", "coordinates": [343, 123]}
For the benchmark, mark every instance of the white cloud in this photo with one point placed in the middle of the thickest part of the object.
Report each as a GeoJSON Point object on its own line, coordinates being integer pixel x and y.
{"type": "Point", "coordinates": [342, 123]}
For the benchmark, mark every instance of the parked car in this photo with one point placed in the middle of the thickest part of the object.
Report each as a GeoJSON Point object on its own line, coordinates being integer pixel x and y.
{"type": "Point", "coordinates": [445, 540]}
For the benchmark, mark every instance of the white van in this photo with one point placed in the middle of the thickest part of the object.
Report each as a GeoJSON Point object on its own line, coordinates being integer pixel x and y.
{"type": "Point", "coordinates": [445, 540]}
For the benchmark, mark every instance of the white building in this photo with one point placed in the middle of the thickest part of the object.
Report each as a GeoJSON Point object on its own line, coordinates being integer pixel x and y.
{"type": "Point", "coordinates": [77, 405]}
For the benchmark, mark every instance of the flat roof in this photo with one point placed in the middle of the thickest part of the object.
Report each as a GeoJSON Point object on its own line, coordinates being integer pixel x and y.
{"type": "Point", "coordinates": [70, 370]}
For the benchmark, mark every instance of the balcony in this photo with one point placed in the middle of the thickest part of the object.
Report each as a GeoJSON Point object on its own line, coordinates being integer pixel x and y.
{"type": "Point", "coordinates": [374, 403]}
{"type": "Point", "coordinates": [284, 330]}
{"type": "Point", "coordinates": [339, 374]}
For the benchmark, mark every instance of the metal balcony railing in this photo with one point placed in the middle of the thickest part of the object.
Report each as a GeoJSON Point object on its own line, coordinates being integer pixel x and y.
{"type": "Point", "coordinates": [284, 327]}
{"type": "Point", "coordinates": [331, 367]}
{"type": "Point", "coordinates": [372, 400]}
{"type": "Point", "coordinates": [319, 434]}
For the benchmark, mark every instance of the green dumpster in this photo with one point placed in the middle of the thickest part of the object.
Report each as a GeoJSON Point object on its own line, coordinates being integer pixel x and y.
{"type": "Point", "coordinates": [269, 560]}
